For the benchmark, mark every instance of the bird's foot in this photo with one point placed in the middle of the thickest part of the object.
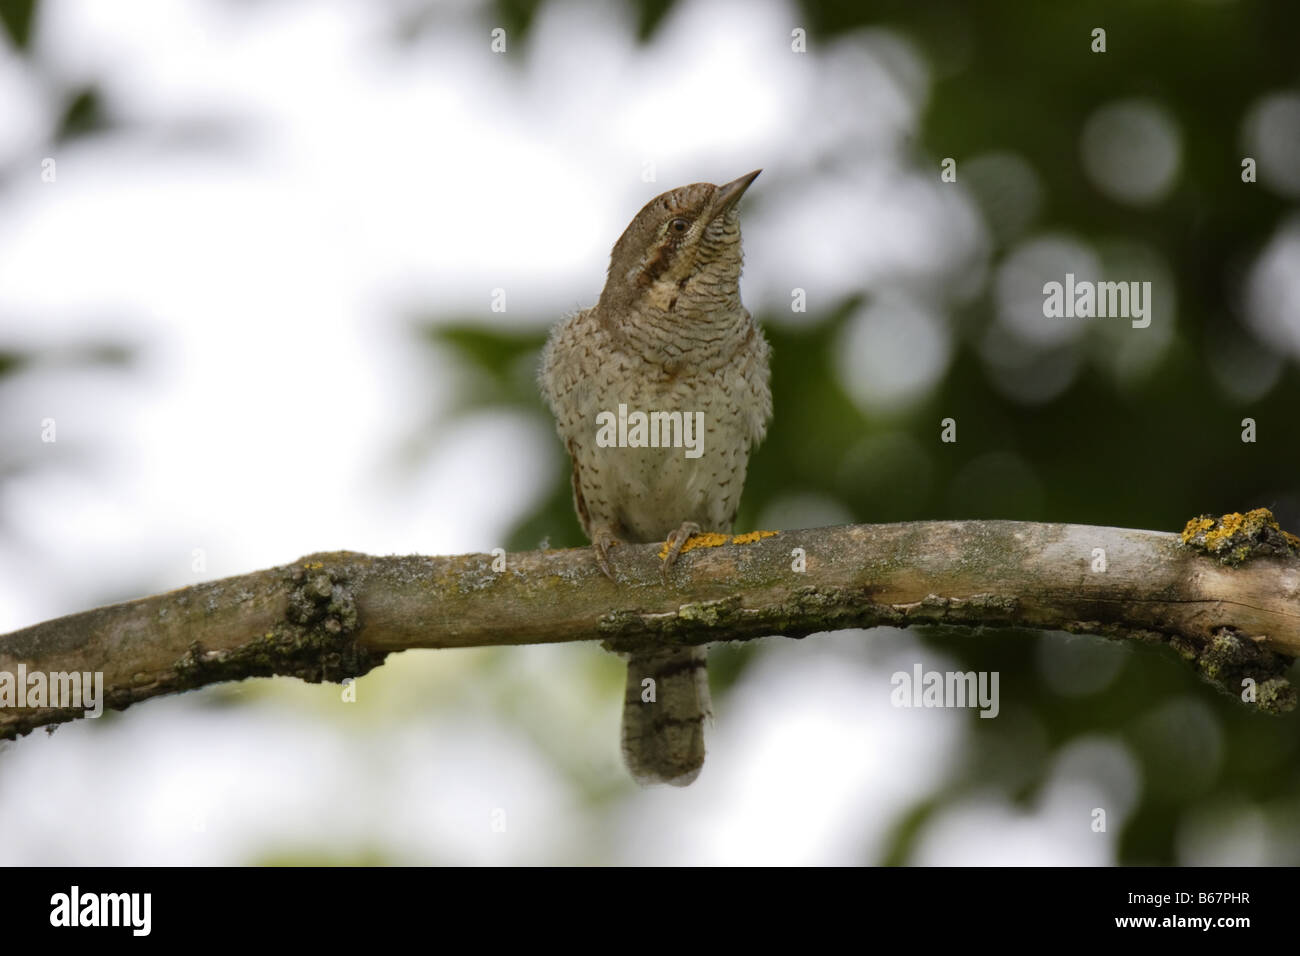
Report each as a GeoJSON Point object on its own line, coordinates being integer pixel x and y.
{"type": "Point", "coordinates": [601, 541]}
{"type": "Point", "coordinates": [674, 546]}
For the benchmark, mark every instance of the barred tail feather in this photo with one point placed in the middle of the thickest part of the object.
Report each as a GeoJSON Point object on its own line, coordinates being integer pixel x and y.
{"type": "Point", "coordinates": [663, 731]}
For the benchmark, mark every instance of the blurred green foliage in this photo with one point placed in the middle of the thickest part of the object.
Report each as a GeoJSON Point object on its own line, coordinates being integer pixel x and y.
{"type": "Point", "coordinates": [1019, 77]}
{"type": "Point", "coordinates": [80, 113]}
{"type": "Point", "coordinates": [16, 15]}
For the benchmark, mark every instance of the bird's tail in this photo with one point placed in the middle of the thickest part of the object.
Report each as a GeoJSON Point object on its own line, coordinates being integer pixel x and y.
{"type": "Point", "coordinates": [664, 708]}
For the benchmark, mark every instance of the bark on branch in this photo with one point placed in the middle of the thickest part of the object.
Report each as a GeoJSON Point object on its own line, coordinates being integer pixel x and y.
{"type": "Point", "coordinates": [1226, 595]}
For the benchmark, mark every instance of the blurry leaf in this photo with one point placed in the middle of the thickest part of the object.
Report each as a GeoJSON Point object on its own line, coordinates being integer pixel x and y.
{"type": "Point", "coordinates": [516, 16]}
{"type": "Point", "coordinates": [499, 366]}
{"type": "Point", "coordinates": [83, 355]}
{"type": "Point", "coordinates": [17, 17]}
{"type": "Point", "coordinates": [908, 829]}
{"type": "Point", "coordinates": [494, 351]}
{"type": "Point", "coordinates": [11, 362]}
{"type": "Point", "coordinates": [83, 114]}
{"type": "Point", "coordinates": [728, 662]}
{"type": "Point", "coordinates": [104, 353]}
{"type": "Point", "coordinates": [650, 14]}
{"type": "Point", "coordinates": [555, 523]}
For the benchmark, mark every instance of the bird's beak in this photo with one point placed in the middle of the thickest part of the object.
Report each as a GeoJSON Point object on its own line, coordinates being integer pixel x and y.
{"type": "Point", "coordinates": [728, 194]}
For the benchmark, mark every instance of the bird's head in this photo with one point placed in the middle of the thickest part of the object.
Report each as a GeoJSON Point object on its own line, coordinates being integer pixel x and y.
{"type": "Point", "coordinates": [685, 242]}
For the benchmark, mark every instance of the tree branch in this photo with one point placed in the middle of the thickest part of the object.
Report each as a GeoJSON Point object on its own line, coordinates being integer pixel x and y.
{"type": "Point", "coordinates": [1225, 595]}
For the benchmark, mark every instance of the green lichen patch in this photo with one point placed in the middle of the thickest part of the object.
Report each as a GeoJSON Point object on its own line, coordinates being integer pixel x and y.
{"type": "Point", "coordinates": [991, 609]}
{"type": "Point", "coordinates": [710, 614]}
{"type": "Point", "coordinates": [1236, 538]}
{"type": "Point", "coordinates": [1276, 696]}
{"type": "Point", "coordinates": [1227, 659]}
{"type": "Point", "coordinates": [1230, 660]}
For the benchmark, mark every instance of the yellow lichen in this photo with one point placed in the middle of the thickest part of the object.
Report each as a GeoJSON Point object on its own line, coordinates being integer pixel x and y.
{"type": "Point", "coordinates": [1236, 523]}
{"type": "Point", "coordinates": [709, 540]}
{"type": "Point", "coordinates": [712, 540]}
{"type": "Point", "coordinates": [1229, 525]}
{"type": "Point", "coordinates": [314, 565]}
{"type": "Point", "coordinates": [1236, 538]}
{"type": "Point", "coordinates": [1195, 527]}
{"type": "Point", "coordinates": [752, 536]}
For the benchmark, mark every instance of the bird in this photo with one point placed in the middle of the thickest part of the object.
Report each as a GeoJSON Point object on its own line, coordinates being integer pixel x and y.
{"type": "Point", "coordinates": [668, 340]}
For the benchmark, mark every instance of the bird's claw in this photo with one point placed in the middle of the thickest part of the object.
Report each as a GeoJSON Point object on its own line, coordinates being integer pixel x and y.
{"type": "Point", "coordinates": [601, 542]}
{"type": "Point", "coordinates": [676, 541]}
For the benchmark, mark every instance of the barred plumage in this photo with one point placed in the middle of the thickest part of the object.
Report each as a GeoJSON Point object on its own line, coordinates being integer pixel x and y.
{"type": "Point", "coordinates": [669, 334]}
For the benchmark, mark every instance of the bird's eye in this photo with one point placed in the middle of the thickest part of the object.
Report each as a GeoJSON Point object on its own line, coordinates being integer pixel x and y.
{"type": "Point", "coordinates": [679, 225]}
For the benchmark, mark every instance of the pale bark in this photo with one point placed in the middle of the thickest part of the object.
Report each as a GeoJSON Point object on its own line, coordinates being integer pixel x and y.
{"type": "Point", "coordinates": [336, 615]}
